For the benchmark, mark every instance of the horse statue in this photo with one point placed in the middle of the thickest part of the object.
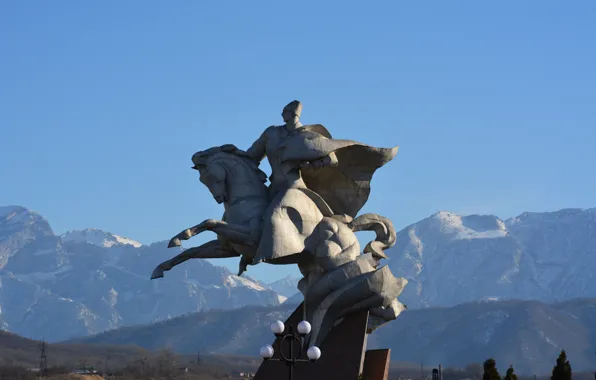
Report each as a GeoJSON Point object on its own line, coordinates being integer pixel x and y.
{"type": "Point", "coordinates": [239, 184]}
{"type": "Point", "coordinates": [334, 269]}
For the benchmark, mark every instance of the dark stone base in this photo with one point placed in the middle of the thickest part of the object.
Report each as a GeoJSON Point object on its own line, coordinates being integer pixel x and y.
{"type": "Point", "coordinates": [376, 364]}
{"type": "Point", "coordinates": [341, 359]}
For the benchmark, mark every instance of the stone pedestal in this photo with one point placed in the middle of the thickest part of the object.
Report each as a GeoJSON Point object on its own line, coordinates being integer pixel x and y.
{"type": "Point", "coordinates": [376, 364]}
{"type": "Point", "coordinates": [342, 358]}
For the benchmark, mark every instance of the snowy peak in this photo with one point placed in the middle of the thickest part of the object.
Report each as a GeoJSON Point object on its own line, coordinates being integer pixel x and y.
{"type": "Point", "coordinates": [234, 281]}
{"type": "Point", "coordinates": [19, 227]}
{"type": "Point", "coordinates": [7, 212]}
{"type": "Point", "coordinates": [568, 214]}
{"type": "Point", "coordinates": [98, 237]}
{"type": "Point", "coordinates": [468, 227]}
{"type": "Point", "coordinates": [288, 280]}
{"type": "Point", "coordinates": [287, 286]}
{"type": "Point", "coordinates": [449, 259]}
{"type": "Point", "coordinates": [92, 280]}
{"type": "Point", "coordinates": [19, 217]}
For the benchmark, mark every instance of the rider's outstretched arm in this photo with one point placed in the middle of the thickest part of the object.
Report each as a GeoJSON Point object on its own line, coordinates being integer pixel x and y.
{"type": "Point", "coordinates": [257, 150]}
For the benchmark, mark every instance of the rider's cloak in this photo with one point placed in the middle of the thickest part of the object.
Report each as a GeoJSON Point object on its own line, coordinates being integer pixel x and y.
{"type": "Point", "coordinates": [345, 187]}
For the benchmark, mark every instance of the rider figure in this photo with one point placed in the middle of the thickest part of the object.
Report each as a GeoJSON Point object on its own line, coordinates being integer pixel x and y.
{"type": "Point", "coordinates": [313, 176]}
{"type": "Point", "coordinates": [270, 144]}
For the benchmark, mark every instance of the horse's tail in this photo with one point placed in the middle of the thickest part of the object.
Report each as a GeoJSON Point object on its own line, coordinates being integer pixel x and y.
{"type": "Point", "coordinates": [383, 228]}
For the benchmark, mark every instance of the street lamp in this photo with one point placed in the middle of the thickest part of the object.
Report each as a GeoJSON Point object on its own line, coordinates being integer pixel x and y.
{"type": "Point", "coordinates": [289, 337]}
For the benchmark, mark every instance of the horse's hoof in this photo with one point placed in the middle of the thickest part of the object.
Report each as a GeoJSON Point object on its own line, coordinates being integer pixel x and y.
{"type": "Point", "coordinates": [175, 242]}
{"type": "Point", "coordinates": [157, 273]}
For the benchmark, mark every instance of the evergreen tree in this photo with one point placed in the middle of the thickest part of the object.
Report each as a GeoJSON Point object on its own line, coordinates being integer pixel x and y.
{"type": "Point", "coordinates": [562, 371]}
{"type": "Point", "coordinates": [510, 375]}
{"type": "Point", "coordinates": [490, 370]}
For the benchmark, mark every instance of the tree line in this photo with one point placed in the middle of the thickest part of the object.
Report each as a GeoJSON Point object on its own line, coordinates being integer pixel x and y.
{"type": "Point", "coordinates": [488, 371]}
{"type": "Point", "coordinates": [561, 370]}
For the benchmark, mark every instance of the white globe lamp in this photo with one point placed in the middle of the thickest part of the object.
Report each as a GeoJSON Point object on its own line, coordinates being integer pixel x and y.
{"type": "Point", "coordinates": [304, 328]}
{"type": "Point", "coordinates": [266, 352]}
{"type": "Point", "coordinates": [277, 327]}
{"type": "Point", "coordinates": [313, 353]}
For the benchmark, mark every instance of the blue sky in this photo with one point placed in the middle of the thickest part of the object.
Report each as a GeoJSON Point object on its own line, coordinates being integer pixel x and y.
{"type": "Point", "coordinates": [102, 104]}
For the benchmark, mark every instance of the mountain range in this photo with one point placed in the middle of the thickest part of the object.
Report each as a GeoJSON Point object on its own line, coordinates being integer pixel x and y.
{"type": "Point", "coordinates": [287, 287]}
{"type": "Point", "coordinates": [84, 282]}
{"type": "Point", "coordinates": [526, 334]}
{"type": "Point", "coordinates": [450, 259]}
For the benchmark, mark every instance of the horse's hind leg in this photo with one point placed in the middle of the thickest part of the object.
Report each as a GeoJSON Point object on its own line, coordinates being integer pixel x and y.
{"type": "Point", "coordinates": [209, 250]}
{"type": "Point", "coordinates": [232, 232]}
{"type": "Point", "coordinates": [184, 235]}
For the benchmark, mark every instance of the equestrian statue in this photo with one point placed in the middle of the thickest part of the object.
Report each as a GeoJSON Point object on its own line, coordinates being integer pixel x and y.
{"type": "Point", "coordinates": [307, 215]}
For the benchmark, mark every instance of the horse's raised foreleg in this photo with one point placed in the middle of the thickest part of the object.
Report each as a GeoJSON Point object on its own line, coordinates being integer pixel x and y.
{"type": "Point", "coordinates": [209, 250]}
{"type": "Point", "coordinates": [234, 233]}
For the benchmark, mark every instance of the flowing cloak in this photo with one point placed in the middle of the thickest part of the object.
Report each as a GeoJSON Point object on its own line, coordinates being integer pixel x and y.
{"type": "Point", "coordinates": [346, 186]}
{"type": "Point", "coordinates": [340, 189]}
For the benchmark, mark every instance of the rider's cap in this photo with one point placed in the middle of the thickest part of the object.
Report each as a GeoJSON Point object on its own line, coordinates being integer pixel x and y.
{"type": "Point", "coordinates": [294, 106]}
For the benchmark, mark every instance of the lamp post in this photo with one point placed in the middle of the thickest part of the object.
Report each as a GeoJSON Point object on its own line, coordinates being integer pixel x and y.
{"type": "Point", "coordinates": [289, 337]}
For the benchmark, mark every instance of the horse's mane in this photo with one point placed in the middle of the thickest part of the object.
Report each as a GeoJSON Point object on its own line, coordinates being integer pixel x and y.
{"type": "Point", "coordinates": [217, 155]}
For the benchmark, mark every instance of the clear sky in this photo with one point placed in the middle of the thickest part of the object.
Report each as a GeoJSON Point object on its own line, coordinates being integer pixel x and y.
{"type": "Point", "coordinates": [102, 103]}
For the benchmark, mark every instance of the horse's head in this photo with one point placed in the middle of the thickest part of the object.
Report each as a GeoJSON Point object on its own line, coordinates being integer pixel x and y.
{"type": "Point", "coordinates": [211, 175]}
{"type": "Point", "coordinates": [228, 176]}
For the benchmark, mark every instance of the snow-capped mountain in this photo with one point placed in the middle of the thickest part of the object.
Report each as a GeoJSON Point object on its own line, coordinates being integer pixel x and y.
{"type": "Point", "coordinates": [449, 259]}
{"type": "Point", "coordinates": [17, 229]}
{"type": "Point", "coordinates": [98, 237]}
{"type": "Point", "coordinates": [89, 281]}
{"type": "Point", "coordinates": [287, 286]}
